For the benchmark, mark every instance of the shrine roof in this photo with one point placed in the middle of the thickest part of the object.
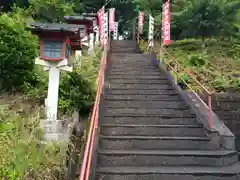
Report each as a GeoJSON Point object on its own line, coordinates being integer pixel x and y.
{"type": "Point", "coordinates": [68, 28]}
{"type": "Point", "coordinates": [79, 18]}
{"type": "Point", "coordinates": [90, 14]}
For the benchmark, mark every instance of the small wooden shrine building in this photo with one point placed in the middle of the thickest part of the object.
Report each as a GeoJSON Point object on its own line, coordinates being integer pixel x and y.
{"type": "Point", "coordinates": [57, 41]}
{"type": "Point", "coordinates": [86, 20]}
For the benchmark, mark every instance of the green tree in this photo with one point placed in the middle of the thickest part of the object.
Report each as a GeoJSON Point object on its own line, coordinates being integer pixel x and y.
{"type": "Point", "coordinates": [89, 6]}
{"type": "Point", "coordinates": [205, 18]}
{"type": "Point", "coordinates": [152, 7]}
{"type": "Point", "coordinates": [51, 10]}
{"type": "Point", "coordinates": [18, 48]}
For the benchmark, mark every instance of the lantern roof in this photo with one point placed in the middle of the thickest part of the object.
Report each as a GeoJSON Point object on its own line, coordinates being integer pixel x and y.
{"type": "Point", "coordinates": [64, 28]}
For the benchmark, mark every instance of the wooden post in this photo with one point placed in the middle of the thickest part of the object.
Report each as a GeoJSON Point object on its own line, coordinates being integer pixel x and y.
{"type": "Point", "coordinates": [133, 31]}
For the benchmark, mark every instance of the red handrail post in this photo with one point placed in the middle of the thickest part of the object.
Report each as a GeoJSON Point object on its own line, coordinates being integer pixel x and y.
{"type": "Point", "coordinates": [210, 109]}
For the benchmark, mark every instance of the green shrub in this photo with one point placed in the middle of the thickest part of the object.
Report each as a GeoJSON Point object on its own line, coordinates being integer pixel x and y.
{"type": "Point", "coordinates": [197, 60]}
{"type": "Point", "coordinates": [220, 84]}
{"type": "Point", "coordinates": [18, 48]}
{"type": "Point", "coordinates": [183, 76]}
{"type": "Point", "coordinates": [78, 88]}
{"type": "Point", "coordinates": [22, 155]}
{"type": "Point", "coordinates": [143, 45]}
{"type": "Point", "coordinates": [37, 88]}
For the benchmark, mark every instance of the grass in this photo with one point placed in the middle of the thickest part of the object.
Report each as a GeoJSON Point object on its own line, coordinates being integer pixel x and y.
{"type": "Point", "coordinates": [23, 156]}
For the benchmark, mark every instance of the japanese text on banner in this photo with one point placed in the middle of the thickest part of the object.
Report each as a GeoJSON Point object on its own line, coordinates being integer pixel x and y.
{"type": "Point", "coordinates": [140, 22]}
{"type": "Point", "coordinates": [166, 23]}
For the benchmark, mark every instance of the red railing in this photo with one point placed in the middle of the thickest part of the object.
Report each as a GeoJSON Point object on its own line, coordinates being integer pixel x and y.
{"type": "Point", "coordinates": [88, 153]}
{"type": "Point", "coordinates": [176, 67]}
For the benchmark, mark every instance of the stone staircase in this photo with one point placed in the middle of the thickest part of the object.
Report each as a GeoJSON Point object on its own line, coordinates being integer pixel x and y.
{"type": "Point", "coordinates": [147, 131]}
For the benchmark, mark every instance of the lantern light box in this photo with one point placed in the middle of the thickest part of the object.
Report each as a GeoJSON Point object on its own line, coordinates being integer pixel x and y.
{"type": "Point", "coordinates": [57, 40]}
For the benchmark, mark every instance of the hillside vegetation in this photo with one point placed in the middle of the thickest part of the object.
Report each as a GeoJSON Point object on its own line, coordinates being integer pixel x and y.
{"type": "Point", "coordinates": [217, 67]}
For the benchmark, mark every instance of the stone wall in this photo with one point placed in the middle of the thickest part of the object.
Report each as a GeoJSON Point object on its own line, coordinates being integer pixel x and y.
{"type": "Point", "coordinates": [227, 107]}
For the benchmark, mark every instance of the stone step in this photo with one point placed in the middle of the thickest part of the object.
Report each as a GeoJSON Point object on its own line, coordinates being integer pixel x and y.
{"type": "Point", "coordinates": [151, 130]}
{"type": "Point", "coordinates": [141, 86]}
{"type": "Point", "coordinates": [145, 104]}
{"type": "Point", "coordinates": [142, 77]}
{"type": "Point", "coordinates": [124, 46]}
{"type": "Point", "coordinates": [129, 68]}
{"type": "Point", "coordinates": [131, 62]}
{"type": "Point", "coordinates": [159, 97]}
{"type": "Point", "coordinates": [141, 92]}
{"type": "Point", "coordinates": [128, 58]}
{"type": "Point", "coordinates": [167, 157]}
{"type": "Point", "coordinates": [136, 73]}
{"type": "Point", "coordinates": [147, 112]}
{"type": "Point", "coordinates": [149, 120]}
{"type": "Point", "coordinates": [122, 59]}
{"type": "Point", "coordinates": [166, 115]}
{"type": "Point", "coordinates": [168, 173]}
{"type": "Point", "coordinates": [118, 50]}
{"type": "Point", "coordinates": [139, 81]}
{"type": "Point", "coordinates": [156, 143]}
{"type": "Point", "coordinates": [134, 65]}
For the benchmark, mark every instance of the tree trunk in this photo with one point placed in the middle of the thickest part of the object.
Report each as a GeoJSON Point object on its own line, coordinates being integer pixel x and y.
{"type": "Point", "coordinates": [133, 31]}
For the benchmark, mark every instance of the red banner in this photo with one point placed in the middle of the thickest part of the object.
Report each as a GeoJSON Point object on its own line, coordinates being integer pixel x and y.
{"type": "Point", "coordinates": [111, 19]}
{"type": "Point", "coordinates": [100, 15]}
{"type": "Point", "coordinates": [166, 23]}
{"type": "Point", "coordinates": [140, 22]}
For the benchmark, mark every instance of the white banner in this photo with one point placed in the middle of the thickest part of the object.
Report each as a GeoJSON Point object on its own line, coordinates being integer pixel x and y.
{"type": "Point", "coordinates": [96, 30]}
{"type": "Point", "coordinates": [151, 30]}
{"type": "Point", "coordinates": [115, 34]}
{"type": "Point", "coordinates": [91, 43]}
{"type": "Point", "coordinates": [105, 27]}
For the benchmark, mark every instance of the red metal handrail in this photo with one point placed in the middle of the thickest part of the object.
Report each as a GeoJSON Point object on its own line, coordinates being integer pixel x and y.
{"type": "Point", "coordinates": [209, 94]}
{"type": "Point", "coordinates": [87, 158]}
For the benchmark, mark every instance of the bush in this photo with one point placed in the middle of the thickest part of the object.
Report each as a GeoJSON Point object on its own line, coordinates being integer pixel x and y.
{"type": "Point", "coordinates": [37, 88]}
{"type": "Point", "coordinates": [143, 45]}
{"type": "Point", "coordinates": [197, 60]}
{"type": "Point", "coordinates": [18, 48]}
{"type": "Point", "coordinates": [22, 155]}
{"type": "Point", "coordinates": [78, 88]}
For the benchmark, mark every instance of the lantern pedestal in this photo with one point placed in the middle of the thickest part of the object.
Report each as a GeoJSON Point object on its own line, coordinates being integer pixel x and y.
{"type": "Point", "coordinates": [53, 127]}
{"type": "Point", "coordinates": [55, 130]}
{"type": "Point", "coordinates": [78, 54]}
